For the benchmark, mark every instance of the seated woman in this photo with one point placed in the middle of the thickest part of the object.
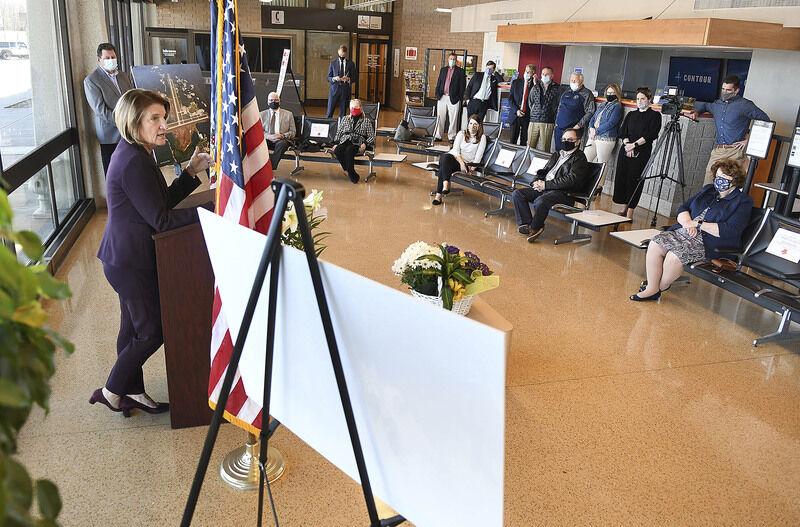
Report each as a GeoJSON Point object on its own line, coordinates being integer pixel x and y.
{"type": "Point", "coordinates": [712, 219]}
{"type": "Point", "coordinates": [468, 147]}
{"type": "Point", "coordinates": [356, 132]}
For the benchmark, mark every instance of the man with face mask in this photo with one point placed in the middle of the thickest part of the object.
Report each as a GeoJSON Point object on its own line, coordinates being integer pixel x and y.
{"type": "Point", "coordinates": [575, 107]}
{"type": "Point", "coordinates": [482, 91]}
{"type": "Point", "coordinates": [449, 93]}
{"type": "Point", "coordinates": [542, 106]}
{"type": "Point", "coordinates": [341, 76]}
{"type": "Point", "coordinates": [519, 113]}
{"type": "Point", "coordinates": [566, 171]}
{"type": "Point", "coordinates": [279, 128]}
{"type": "Point", "coordinates": [104, 86]}
{"type": "Point", "coordinates": [732, 115]}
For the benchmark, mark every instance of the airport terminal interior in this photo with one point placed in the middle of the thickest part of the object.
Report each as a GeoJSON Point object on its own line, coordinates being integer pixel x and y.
{"type": "Point", "coordinates": [624, 341]}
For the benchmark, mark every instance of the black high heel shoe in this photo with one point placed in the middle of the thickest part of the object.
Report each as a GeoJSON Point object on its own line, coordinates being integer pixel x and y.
{"type": "Point", "coordinates": [129, 404]}
{"type": "Point", "coordinates": [98, 397]}
{"type": "Point", "coordinates": [643, 286]}
{"type": "Point", "coordinates": [637, 298]}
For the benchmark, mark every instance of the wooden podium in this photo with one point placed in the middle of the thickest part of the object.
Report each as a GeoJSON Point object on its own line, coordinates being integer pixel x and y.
{"type": "Point", "coordinates": [186, 290]}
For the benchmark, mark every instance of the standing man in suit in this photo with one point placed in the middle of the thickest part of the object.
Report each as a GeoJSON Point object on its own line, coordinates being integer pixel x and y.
{"type": "Point", "coordinates": [341, 76]}
{"type": "Point", "coordinates": [482, 91]}
{"type": "Point", "coordinates": [279, 128]}
{"type": "Point", "coordinates": [104, 86]}
{"type": "Point", "coordinates": [520, 112]}
{"type": "Point", "coordinates": [449, 93]}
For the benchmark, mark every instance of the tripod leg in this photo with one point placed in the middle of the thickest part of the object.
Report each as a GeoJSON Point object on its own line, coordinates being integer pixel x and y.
{"type": "Point", "coordinates": [664, 173]}
{"type": "Point", "coordinates": [270, 354]}
{"type": "Point", "coordinates": [681, 173]}
{"type": "Point", "coordinates": [270, 247]}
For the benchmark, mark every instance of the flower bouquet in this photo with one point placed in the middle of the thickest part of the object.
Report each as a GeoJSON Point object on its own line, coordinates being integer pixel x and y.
{"type": "Point", "coordinates": [444, 275]}
{"type": "Point", "coordinates": [315, 214]}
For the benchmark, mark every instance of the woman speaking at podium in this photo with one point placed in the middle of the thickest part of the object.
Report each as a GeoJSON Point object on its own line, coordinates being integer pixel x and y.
{"type": "Point", "coordinates": [139, 205]}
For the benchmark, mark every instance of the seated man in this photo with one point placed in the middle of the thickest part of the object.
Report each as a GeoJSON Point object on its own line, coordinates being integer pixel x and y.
{"type": "Point", "coordinates": [279, 128]}
{"type": "Point", "coordinates": [355, 133]}
{"type": "Point", "coordinates": [566, 171]}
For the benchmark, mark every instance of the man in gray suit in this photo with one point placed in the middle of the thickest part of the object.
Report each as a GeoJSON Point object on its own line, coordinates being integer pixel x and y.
{"type": "Point", "coordinates": [104, 86]}
{"type": "Point", "coordinates": [279, 128]}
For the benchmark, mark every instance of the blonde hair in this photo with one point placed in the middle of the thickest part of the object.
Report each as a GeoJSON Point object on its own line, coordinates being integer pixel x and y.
{"type": "Point", "coordinates": [129, 112]}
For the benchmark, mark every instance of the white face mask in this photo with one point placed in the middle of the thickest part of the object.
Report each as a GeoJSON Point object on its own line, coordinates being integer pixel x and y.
{"type": "Point", "coordinates": [642, 104]}
{"type": "Point", "coordinates": [574, 86]}
{"type": "Point", "coordinates": [545, 79]}
{"type": "Point", "coordinates": [527, 76]}
{"type": "Point", "coordinates": [451, 62]}
{"type": "Point", "coordinates": [109, 64]}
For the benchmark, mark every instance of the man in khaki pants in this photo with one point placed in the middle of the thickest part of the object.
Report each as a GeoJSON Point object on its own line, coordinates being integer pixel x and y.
{"type": "Point", "coordinates": [732, 115]}
{"type": "Point", "coordinates": [543, 103]}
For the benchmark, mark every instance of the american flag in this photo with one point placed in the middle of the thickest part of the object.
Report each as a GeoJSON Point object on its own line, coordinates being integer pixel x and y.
{"type": "Point", "coordinates": [243, 174]}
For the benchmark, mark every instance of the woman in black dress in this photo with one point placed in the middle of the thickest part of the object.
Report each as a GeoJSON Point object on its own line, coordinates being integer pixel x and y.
{"type": "Point", "coordinates": [638, 131]}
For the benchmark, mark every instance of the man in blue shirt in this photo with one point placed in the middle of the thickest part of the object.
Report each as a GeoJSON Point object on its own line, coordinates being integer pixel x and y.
{"type": "Point", "coordinates": [732, 116]}
{"type": "Point", "coordinates": [575, 107]}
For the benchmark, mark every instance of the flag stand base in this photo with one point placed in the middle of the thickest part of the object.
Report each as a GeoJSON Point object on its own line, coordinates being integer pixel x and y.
{"type": "Point", "coordinates": [239, 469]}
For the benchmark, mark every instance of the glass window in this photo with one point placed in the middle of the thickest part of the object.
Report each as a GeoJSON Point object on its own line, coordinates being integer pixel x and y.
{"type": "Point", "coordinates": [31, 113]}
{"type": "Point", "coordinates": [252, 46]}
{"type": "Point", "coordinates": [611, 68]}
{"type": "Point", "coordinates": [64, 183]}
{"type": "Point", "coordinates": [32, 206]}
{"type": "Point", "coordinates": [641, 68]}
{"type": "Point", "coordinates": [168, 50]}
{"type": "Point", "coordinates": [272, 51]}
{"type": "Point", "coordinates": [202, 50]}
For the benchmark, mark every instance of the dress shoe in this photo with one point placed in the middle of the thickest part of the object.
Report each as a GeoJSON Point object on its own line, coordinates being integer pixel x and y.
{"type": "Point", "coordinates": [643, 286]}
{"type": "Point", "coordinates": [436, 202]}
{"type": "Point", "coordinates": [637, 298]}
{"type": "Point", "coordinates": [535, 234]}
{"type": "Point", "coordinates": [129, 404]}
{"type": "Point", "coordinates": [354, 177]}
{"type": "Point", "coordinates": [98, 397]}
{"type": "Point", "coordinates": [524, 229]}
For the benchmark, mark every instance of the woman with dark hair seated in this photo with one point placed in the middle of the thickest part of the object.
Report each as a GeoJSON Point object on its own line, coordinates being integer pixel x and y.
{"type": "Point", "coordinates": [468, 147]}
{"type": "Point", "coordinates": [355, 134]}
{"type": "Point", "coordinates": [712, 219]}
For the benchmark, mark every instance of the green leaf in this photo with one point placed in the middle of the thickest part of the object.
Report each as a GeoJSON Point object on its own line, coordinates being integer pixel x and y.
{"type": "Point", "coordinates": [447, 297]}
{"type": "Point", "coordinates": [59, 341]}
{"type": "Point", "coordinates": [48, 499]}
{"type": "Point", "coordinates": [11, 395]}
{"type": "Point", "coordinates": [18, 484]}
{"type": "Point", "coordinates": [5, 209]}
{"type": "Point", "coordinates": [30, 314]}
{"type": "Point", "coordinates": [52, 288]}
{"type": "Point", "coordinates": [6, 305]}
{"type": "Point", "coordinates": [30, 242]}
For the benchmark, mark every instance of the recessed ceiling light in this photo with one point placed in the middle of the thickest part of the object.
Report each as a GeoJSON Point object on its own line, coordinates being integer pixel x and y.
{"type": "Point", "coordinates": [443, 10]}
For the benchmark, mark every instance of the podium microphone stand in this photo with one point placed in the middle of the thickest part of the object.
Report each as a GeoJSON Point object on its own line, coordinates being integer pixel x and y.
{"type": "Point", "coordinates": [285, 191]}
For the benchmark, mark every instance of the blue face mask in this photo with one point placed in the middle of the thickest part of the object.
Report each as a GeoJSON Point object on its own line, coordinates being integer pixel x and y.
{"type": "Point", "coordinates": [722, 184]}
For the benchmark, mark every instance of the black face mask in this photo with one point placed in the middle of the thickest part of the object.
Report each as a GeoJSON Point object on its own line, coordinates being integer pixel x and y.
{"type": "Point", "coordinates": [611, 98]}
{"type": "Point", "coordinates": [567, 146]}
{"type": "Point", "coordinates": [274, 105]}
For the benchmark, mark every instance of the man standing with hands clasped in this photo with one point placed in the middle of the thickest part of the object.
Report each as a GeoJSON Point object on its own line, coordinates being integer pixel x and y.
{"type": "Point", "coordinates": [341, 76]}
{"type": "Point", "coordinates": [520, 111]}
{"type": "Point", "coordinates": [732, 114]}
{"type": "Point", "coordinates": [104, 86]}
{"type": "Point", "coordinates": [449, 92]}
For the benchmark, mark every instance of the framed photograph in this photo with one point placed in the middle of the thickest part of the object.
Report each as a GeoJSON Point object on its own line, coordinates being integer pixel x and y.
{"type": "Point", "coordinates": [759, 139]}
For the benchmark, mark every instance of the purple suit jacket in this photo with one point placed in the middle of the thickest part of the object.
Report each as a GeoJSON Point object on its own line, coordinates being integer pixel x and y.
{"type": "Point", "coordinates": [140, 205]}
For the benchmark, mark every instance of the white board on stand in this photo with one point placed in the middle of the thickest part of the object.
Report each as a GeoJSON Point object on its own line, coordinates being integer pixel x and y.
{"type": "Point", "coordinates": [427, 386]}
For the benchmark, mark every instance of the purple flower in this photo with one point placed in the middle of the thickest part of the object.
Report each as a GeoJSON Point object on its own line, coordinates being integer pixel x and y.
{"type": "Point", "coordinates": [472, 256]}
{"type": "Point", "coordinates": [485, 271]}
{"type": "Point", "coordinates": [452, 249]}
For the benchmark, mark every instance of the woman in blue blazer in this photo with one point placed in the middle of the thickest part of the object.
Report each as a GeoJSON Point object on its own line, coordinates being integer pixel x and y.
{"type": "Point", "coordinates": [711, 220]}
{"type": "Point", "coordinates": [604, 127]}
{"type": "Point", "coordinates": [139, 205]}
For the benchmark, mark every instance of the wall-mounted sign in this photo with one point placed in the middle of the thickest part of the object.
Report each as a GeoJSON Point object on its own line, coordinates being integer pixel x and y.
{"type": "Point", "coordinates": [363, 21]}
{"type": "Point", "coordinates": [278, 17]}
{"type": "Point", "coordinates": [396, 63]}
{"type": "Point", "coordinates": [375, 22]}
{"type": "Point", "coordinates": [578, 69]}
{"type": "Point", "coordinates": [695, 77]}
{"type": "Point", "coordinates": [284, 67]}
{"type": "Point", "coordinates": [411, 53]}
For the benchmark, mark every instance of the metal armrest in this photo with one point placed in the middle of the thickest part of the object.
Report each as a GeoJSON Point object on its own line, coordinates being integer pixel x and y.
{"type": "Point", "coordinates": [565, 209]}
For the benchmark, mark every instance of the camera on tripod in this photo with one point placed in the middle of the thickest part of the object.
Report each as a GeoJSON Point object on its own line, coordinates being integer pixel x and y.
{"type": "Point", "coordinates": [671, 102]}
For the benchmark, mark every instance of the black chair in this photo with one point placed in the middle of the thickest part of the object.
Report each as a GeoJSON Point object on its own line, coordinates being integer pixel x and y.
{"type": "Point", "coordinates": [372, 110]}
{"type": "Point", "coordinates": [755, 262]}
{"type": "Point", "coordinates": [419, 111]}
{"type": "Point", "coordinates": [423, 133]}
{"type": "Point", "coordinates": [316, 134]}
{"type": "Point", "coordinates": [583, 199]}
{"type": "Point", "coordinates": [492, 130]}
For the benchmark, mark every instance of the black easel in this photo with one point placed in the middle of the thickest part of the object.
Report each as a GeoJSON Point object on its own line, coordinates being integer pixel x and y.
{"type": "Point", "coordinates": [285, 191]}
{"type": "Point", "coordinates": [671, 138]}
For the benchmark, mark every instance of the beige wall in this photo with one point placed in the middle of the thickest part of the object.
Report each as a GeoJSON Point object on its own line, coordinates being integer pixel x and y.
{"type": "Point", "coordinates": [416, 24]}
